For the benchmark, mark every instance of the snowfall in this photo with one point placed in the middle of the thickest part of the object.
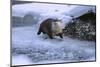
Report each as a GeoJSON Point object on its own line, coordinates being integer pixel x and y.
{"type": "Point", "coordinates": [29, 48]}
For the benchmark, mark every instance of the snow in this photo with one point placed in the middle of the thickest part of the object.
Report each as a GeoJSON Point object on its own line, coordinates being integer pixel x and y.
{"type": "Point", "coordinates": [29, 48]}
{"type": "Point", "coordinates": [42, 8]}
{"type": "Point", "coordinates": [38, 7]}
{"type": "Point", "coordinates": [38, 50]}
{"type": "Point", "coordinates": [20, 60]}
{"type": "Point", "coordinates": [80, 10]}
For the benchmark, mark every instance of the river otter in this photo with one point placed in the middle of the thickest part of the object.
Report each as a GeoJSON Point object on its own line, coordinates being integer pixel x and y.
{"type": "Point", "coordinates": [51, 27]}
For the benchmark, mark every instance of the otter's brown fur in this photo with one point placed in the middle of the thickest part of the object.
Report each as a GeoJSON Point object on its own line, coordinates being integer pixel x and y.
{"type": "Point", "coordinates": [46, 28]}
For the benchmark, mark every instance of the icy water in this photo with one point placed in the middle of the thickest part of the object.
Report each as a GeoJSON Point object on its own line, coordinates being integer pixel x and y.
{"type": "Point", "coordinates": [29, 48]}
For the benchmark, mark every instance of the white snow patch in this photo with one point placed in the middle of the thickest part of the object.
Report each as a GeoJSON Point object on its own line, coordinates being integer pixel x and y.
{"type": "Point", "coordinates": [21, 60]}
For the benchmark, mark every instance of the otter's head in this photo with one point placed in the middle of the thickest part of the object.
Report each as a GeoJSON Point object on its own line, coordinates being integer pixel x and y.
{"type": "Point", "coordinates": [57, 26]}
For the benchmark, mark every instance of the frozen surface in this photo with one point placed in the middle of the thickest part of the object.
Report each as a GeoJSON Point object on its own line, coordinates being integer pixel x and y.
{"type": "Point", "coordinates": [20, 60]}
{"type": "Point", "coordinates": [30, 48]}
{"type": "Point", "coordinates": [39, 7]}
{"type": "Point", "coordinates": [42, 8]}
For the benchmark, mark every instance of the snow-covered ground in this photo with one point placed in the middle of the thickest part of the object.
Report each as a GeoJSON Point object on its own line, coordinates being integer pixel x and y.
{"type": "Point", "coordinates": [45, 8]}
{"type": "Point", "coordinates": [29, 48]}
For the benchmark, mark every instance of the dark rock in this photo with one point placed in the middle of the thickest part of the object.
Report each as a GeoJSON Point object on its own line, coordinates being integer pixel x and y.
{"type": "Point", "coordinates": [83, 28]}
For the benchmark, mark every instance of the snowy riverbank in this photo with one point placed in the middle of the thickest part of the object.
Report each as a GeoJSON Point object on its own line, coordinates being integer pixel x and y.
{"type": "Point", "coordinates": [29, 48]}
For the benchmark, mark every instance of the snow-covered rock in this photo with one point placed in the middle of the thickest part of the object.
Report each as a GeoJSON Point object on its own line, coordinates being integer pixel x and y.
{"type": "Point", "coordinates": [83, 28]}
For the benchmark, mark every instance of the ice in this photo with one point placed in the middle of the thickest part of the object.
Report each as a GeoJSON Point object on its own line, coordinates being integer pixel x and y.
{"type": "Point", "coordinates": [20, 60]}
{"type": "Point", "coordinates": [37, 7]}
{"type": "Point", "coordinates": [39, 50]}
{"type": "Point", "coordinates": [42, 8]}
{"type": "Point", "coordinates": [80, 10]}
